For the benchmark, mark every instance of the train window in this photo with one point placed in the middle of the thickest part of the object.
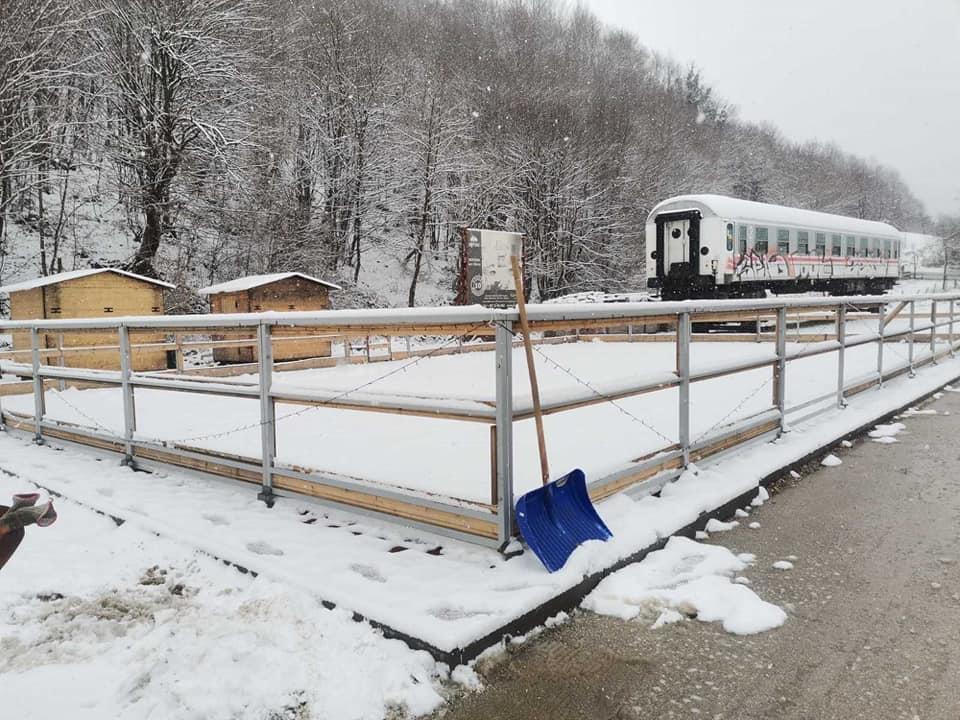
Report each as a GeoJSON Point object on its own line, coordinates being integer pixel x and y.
{"type": "Point", "coordinates": [837, 247]}
{"type": "Point", "coordinates": [821, 240]}
{"type": "Point", "coordinates": [850, 245]}
{"type": "Point", "coordinates": [896, 248]}
{"type": "Point", "coordinates": [729, 237]}
{"type": "Point", "coordinates": [864, 247]}
{"type": "Point", "coordinates": [803, 242]}
{"type": "Point", "coordinates": [742, 238]}
{"type": "Point", "coordinates": [886, 248]}
{"type": "Point", "coordinates": [760, 241]}
{"type": "Point", "coordinates": [783, 242]}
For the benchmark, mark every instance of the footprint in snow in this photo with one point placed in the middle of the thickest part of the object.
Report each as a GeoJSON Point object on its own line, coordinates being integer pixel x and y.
{"type": "Point", "coordinates": [452, 613]}
{"type": "Point", "coordinates": [216, 519]}
{"type": "Point", "coordinates": [106, 492]}
{"type": "Point", "coordinates": [262, 548]}
{"type": "Point", "coordinates": [369, 572]}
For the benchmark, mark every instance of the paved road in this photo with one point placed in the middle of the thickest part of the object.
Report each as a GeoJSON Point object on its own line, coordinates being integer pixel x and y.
{"type": "Point", "coordinates": [873, 605]}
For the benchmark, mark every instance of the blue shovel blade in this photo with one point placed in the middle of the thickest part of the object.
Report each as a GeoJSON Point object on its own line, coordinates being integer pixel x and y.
{"type": "Point", "coordinates": [556, 518]}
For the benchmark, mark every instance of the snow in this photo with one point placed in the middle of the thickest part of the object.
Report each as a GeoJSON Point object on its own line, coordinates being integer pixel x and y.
{"type": "Point", "coordinates": [782, 565]}
{"type": "Point", "coordinates": [466, 678]}
{"type": "Point", "coordinates": [249, 282]}
{"type": "Point", "coordinates": [761, 498]}
{"type": "Point", "coordinates": [846, 443]}
{"type": "Point", "coordinates": [102, 621]}
{"type": "Point", "coordinates": [714, 525]}
{"type": "Point", "coordinates": [74, 275]}
{"type": "Point", "coordinates": [601, 439]}
{"type": "Point", "coordinates": [831, 460]}
{"type": "Point", "coordinates": [884, 434]}
{"type": "Point", "coordinates": [741, 513]}
{"type": "Point", "coordinates": [754, 525]}
{"type": "Point", "coordinates": [691, 578]}
{"type": "Point", "coordinates": [178, 521]}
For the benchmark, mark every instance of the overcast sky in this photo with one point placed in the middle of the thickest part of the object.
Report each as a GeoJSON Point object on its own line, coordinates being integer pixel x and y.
{"type": "Point", "coordinates": [881, 78]}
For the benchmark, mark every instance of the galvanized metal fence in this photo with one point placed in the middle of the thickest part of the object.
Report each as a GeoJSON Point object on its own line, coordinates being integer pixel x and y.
{"type": "Point", "coordinates": [492, 522]}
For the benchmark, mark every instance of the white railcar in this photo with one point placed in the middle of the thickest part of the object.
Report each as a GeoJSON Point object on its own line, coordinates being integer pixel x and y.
{"type": "Point", "coordinates": [718, 246]}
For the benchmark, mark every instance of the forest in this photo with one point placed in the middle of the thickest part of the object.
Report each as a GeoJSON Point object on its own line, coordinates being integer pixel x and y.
{"type": "Point", "coordinates": [351, 139]}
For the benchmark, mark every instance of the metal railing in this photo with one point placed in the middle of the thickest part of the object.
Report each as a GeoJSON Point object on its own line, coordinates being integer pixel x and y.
{"type": "Point", "coordinates": [489, 522]}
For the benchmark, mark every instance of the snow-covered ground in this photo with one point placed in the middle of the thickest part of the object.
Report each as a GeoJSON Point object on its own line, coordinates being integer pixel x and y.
{"type": "Point", "coordinates": [99, 621]}
{"type": "Point", "coordinates": [451, 458]}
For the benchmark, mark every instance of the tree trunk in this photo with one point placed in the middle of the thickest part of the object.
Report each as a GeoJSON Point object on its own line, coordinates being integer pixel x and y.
{"type": "Point", "coordinates": [142, 263]}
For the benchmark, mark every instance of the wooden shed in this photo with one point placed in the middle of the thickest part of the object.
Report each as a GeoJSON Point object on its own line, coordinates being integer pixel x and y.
{"type": "Point", "coordinates": [89, 293]}
{"type": "Point", "coordinates": [280, 292]}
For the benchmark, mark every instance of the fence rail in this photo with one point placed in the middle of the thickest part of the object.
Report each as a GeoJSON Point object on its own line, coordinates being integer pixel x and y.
{"type": "Point", "coordinates": [488, 522]}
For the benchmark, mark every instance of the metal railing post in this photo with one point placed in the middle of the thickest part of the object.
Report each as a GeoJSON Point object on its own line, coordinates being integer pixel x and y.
{"type": "Point", "coordinates": [39, 403]}
{"type": "Point", "coordinates": [683, 389]}
{"type": "Point", "coordinates": [780, 369]}
{"type": "Point", "coordinates": [504, 433]}
{"type": "Point", "coordinates": [880, 331]}
{"type": "Point", "coordinates": [61, 361]}
{"type": "Point", "coordinates": [268, 418]}
{"type": "Point", "coordinates": [129, 407]}
{"type": "Point", "coordinates": [933, 332]}
{"type": "Point", "coordinates": [950, 328]}
{"type": "Point", "coordinates": [842, 339]}
{"type": "Point", "coordinates": [913, 305]}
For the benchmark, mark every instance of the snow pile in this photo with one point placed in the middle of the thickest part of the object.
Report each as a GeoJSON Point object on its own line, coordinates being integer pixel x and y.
{"type": "Point", "coordinates": [714, 525]}
{"type": "Point", "coordinates": [885, 433]}
{"type": "Point", "coordinates": [102, 621]}
{"type": "Point", "coordinates": [686, 578]}
{"type": "Point", "coordinates": [761, 498]}
{"type": "Point", "coordinates": [911, 412]}
{"type": "Point", "coordinates": [831, 460]}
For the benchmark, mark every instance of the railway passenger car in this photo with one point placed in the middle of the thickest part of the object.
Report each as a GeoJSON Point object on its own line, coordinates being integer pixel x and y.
{"type": "Point", "coordinates": [701, 246]}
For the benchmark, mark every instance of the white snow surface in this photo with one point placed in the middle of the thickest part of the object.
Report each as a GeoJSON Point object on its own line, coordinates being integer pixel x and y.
{"type": "Point", "coordinates": [99, 621]}
{"type": "Point", "coordinates": [177, 521]}
{"type": "Point", "coordinates": [887, 431]}
{"type": "Point", "coordinates": [74, 275]}
{"type": "Point", "coordinates": [248, 282]}
{"type": "Point", "coordinates": [686, 574]}
{"type": "Point", "coordinates": [601, 439]}
{"type": "Point", "coordinates": [831, 460]}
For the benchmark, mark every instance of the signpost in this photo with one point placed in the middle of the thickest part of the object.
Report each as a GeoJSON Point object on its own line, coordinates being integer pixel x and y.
{"type": "Point", "coordinates": [486, 277]}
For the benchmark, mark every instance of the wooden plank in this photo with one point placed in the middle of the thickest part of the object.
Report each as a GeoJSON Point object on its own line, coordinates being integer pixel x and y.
{"type": "Point", "coordinates": [600, 492]}
{"type": "Point", "coordinates": [893, 313]}
{"type": "Point", "coordinates": [389, 506]}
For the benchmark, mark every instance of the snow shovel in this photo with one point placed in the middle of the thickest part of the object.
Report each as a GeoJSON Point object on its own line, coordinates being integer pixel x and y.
{"type": "Point", "coordinates": [556, 518]}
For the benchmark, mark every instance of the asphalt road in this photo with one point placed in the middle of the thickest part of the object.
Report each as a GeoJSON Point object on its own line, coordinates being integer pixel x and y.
{"type": "Point", "coordinates": [873, 604]}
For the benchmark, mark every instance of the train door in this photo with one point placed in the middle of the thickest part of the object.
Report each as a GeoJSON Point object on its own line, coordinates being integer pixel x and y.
{"type": "Point", "coordinates": [678, 244]}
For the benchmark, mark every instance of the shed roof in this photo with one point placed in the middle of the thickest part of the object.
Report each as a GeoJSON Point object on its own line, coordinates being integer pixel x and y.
{"type": "Point", "coordinates": [74, 275]}
{"type": "Point", "coordinates": [253, 281]}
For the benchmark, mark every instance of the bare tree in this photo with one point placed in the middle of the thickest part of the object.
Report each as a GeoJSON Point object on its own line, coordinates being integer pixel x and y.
{"type": "Point", "coordinates": [178, 82]}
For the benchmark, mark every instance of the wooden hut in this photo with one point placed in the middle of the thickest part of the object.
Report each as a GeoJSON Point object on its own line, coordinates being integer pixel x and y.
{"type": "Point", "coordinates": [89, 293]}
{"type": "Point", "coordinates": [280, 292]}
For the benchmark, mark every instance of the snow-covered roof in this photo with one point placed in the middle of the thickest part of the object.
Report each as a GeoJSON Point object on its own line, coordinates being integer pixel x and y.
{"type": "Point", "coordinates": [758, 213]}
{"type": "Point", "coordinates": [253, 281]}
{"type": "Point", "coordinates": [73, 275]}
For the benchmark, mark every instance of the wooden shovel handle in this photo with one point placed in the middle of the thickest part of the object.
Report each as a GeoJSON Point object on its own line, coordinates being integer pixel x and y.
{"type": "Point", "coordinates": [531, 369]}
